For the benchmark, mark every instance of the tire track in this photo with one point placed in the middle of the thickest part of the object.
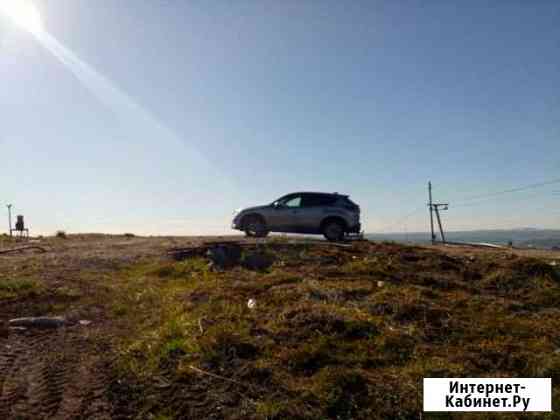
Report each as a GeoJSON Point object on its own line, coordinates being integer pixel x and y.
{"type": "Point", "coordinates": [13, 393]}
{"type": "Point", "coordinates": [54, 374]}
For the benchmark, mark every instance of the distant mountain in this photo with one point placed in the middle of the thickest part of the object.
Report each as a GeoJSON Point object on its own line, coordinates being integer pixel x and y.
{"type": "Point", "coordinates": [522, 237]}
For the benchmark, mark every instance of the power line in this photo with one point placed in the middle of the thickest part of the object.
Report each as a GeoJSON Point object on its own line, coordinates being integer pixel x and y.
{"type": "Point", "coordinates": [490, 199]}
{"type": "Point", "coordinates": [466, 202]}
{"type": "Point", "coordinates": [511, 190]}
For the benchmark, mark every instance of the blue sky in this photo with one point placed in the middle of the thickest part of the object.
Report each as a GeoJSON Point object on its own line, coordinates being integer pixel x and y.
{"type": "Point", "coordinates": [172, 114]}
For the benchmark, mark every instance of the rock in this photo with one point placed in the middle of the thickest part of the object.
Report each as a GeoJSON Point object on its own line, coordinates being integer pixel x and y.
{"type": "Point", "coordinates": [218, 257]}
{"type": "Point", "coordinates": [258, 261]}
{"type": "Point", "coordinates": [38, 322]}
{"type": "Point", "coordinates": [224, 256]}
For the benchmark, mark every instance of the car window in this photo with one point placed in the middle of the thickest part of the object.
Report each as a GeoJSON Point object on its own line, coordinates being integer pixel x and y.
{"type": "Point", "coordinates": [348, 204]}
{"type": "Point", "coordinates": [293, 201]}
{"type": "Point", "coordinates": [282, 200]}
{"type": "Point", "coordinates": [318, 200]}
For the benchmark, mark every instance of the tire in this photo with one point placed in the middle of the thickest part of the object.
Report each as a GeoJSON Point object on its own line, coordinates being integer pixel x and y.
{"type": "Point", "coordinates": [333, 230]}
{"type": "Point", "coordinates": [255, 227]}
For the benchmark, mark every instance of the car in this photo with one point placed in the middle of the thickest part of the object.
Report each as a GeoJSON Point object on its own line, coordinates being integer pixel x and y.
{"type": "Point", "coordinates": [330, 214]}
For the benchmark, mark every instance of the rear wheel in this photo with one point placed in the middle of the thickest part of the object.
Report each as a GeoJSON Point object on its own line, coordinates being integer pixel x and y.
{"type": "Point", "coordinates": [255, 226]}
{"type": "Point", "coordinates": [333, 230]}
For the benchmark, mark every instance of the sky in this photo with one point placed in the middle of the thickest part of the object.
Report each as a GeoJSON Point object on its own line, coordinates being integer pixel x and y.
{"type": "Point", "coordinates": [164, 116]}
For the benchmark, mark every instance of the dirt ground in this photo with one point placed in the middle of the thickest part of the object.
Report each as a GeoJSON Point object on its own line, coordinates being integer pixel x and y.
{"type": "Point", "coordinates": [66, 372]}
{"type": "Point", "coordinates": [76, 371]}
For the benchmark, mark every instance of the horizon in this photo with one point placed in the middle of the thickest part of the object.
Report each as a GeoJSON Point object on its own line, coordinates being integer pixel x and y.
{"type": "Point", "coordinates": [237, 233]}
{"type": "Point", "coordinates": [176, 114]}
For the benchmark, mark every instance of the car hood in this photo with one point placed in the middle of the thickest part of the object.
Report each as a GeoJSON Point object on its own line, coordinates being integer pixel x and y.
{"type": "Point", "coordinates": [255, 208]}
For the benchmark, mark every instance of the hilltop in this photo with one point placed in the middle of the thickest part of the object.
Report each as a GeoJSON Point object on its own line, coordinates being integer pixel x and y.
{"type": "Point", "coordinates": [319, 331]}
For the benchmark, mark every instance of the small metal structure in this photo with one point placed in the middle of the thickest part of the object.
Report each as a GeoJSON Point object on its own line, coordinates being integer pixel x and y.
{"type": "Point", "coordinates": [9, 218]}
{"type": "Point", "coordinates": [21, 230]}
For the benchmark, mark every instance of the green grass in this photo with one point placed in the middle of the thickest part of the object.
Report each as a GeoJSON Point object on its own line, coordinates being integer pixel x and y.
{"type": "Point", "coordinates": [325, 341]}
{"type": "Point", "coordinates": [11, 288]}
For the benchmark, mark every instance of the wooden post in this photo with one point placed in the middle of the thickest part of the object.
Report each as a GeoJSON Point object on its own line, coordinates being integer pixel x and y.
{"type": "Point", "coordinates": [439, 223]}
{"type": "Point", "coordinates": [431, 207]}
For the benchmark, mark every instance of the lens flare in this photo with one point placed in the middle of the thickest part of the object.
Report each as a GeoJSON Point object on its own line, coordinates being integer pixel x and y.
{"type": "Point", "coordinates": [24, 14]}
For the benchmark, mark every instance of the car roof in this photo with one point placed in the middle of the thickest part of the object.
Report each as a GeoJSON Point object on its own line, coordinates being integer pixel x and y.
{"type": "Point", "coordinates": [317, 193]}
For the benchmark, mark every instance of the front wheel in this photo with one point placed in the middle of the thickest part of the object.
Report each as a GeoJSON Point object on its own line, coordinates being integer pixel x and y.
{"type": "Point", "coordinates": [255, 227]}
{"type": "Point", "coordinates": [333, 231]}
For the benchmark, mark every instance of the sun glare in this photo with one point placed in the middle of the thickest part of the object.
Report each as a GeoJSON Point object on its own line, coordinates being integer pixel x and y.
{"type": "Point", "coordinates": [23, 13]}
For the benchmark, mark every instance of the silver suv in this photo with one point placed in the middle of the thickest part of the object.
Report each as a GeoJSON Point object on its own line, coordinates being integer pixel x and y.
{"type": "Point", "coordinates": [330, 214]}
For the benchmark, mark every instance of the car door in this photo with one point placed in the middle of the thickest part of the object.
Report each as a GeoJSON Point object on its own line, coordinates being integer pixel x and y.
{"type": "Point", "coordinates": [312, 212]}
{"type": "Point", "coordinates": [285, 214]}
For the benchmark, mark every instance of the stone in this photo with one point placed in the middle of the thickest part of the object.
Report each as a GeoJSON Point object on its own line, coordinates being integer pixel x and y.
{"type": "Point", "coordinates": [258, 261]}
{"type": "Point", "coordinates": [38, 322]}
{"type": "Point", "coordinates": [224, 256]}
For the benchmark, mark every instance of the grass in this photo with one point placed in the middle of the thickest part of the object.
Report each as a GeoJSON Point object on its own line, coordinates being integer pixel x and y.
{"type": "Point", "coordinates": [12, 288]}
{"type": "Point", "coordinates": [325, 340]}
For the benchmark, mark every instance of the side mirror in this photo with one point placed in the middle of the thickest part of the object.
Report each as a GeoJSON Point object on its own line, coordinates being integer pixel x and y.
{"type": "Point", "coordinates": [276, 205]}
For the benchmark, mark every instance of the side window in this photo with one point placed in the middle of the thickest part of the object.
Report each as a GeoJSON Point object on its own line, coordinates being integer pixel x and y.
{"type": "Point", "coordinates": [348, 204]}
{"type": "Point", "coordinates": [317, 200]}
{"type": "Point", "coordinates": [311, 200]}
{"type": "Point", "coordinates": [328, 200]}
{"type": "Point", "coordinates": [294, 201]}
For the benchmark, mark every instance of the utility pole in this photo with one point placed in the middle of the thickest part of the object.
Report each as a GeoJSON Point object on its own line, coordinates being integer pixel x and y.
{"type": "Point", "coordinates": [435, 207]}
{"type": "Point", "coordinates": [439, 221]}
{"type": "Point", "coordinates": [10, 217]}
{"type": "Point", "coordinates": [431, 207]}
